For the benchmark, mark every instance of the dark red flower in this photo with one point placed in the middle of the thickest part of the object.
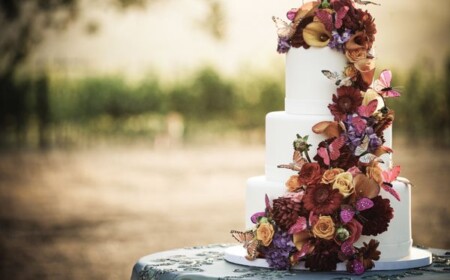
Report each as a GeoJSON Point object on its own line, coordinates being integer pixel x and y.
{"type": "Point", "coordinates": [376, 219]}
{"type": "Point", "coordinates": [310, 174]}
{"type": "Point", "coordinates": [324, 257]}
{"type": "Point", "coordinates": [355, 230]}
{"type": "Point", "coordinates": [297, 40]}
{"type": "Point", "coordinates": [369, 253]}
{"type": "Point", "coordinates": [322, 199]}
{"type": "Point", "coordinates": [285, 212]}
{"type": "Point", "coordinates": [346, 101]}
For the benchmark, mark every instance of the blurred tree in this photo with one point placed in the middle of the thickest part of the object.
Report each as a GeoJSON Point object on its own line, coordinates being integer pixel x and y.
{"type": "Point", "coordinates": [23, 25]}
{"type": "Point", "coordinates": [214, 21]}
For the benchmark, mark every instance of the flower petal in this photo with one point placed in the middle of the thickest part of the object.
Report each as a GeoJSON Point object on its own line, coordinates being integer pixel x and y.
{"type": "Point", "coordinates": [316, 35]}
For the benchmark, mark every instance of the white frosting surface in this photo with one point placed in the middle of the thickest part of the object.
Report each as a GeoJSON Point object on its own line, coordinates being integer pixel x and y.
{"type": "Point", "coordinates": [395, 243]}
{"type": "Point", "coordinates": [308, 91]}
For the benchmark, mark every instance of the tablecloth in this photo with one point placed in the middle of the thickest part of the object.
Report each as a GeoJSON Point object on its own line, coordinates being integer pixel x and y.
{"type": "Point", "coordinates": [207, 262]}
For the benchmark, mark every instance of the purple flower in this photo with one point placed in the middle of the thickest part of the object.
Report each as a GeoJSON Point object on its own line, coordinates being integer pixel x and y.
{"type": "Point", "coordinates": [278, 253]}
{"type": "Point", "coordinates": [283, 45]}
{"type": "Point", "coordinates": [337, 40]}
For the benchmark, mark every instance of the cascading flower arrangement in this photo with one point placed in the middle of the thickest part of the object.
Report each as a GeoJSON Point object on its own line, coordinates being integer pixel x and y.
{"type": "Point", "coordinates": [335, 198]}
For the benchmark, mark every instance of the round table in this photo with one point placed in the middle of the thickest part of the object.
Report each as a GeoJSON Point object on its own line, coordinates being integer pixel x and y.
{"type": "Point", "coordinates": [207, 262]}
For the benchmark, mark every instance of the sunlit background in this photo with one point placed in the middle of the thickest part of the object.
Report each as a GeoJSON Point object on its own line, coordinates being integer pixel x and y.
{"type": "Point", "coordinates": [129, 127]}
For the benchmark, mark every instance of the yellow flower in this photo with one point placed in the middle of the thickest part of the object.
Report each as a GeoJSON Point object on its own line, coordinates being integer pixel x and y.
{"type": "Point", "coordinates": [344, 183]}
{"type": "Point", "coordinates": [265, 233]}
{"type": "Point", "coordinates": [316, 35]}
{"type": "Point", "coordinates": [292, 184]}
{"type": "Point", "coordinates": [329, 176]}
{"type": "Point", "coordinates": [324, 228]}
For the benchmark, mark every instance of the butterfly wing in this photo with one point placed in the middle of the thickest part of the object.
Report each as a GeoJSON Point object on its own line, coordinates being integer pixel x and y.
{"type": "Point", "coordinates": [298, 160]}
{"type": "Point", "coordinates": [335, 146]}
{"type": "Point", "coordinates": [284, 29]}
{"type": "Point", "coordinates": [390, 189]}
{"type": "Point", "coordinates": [390, 92]}
{"type": "Point", "coordinates": [364, 204]}
{"type": "Point", "coordinates": [362, 148]}
{"type": "Point", "coordinates": [300, 225]}
{"type": "Point", "coordinates": [252, 250]}
{"type": "Point", "coordinates": [359, 124]}
{"type": "Point", "coordinates": [347, 214]}
{"type": "Point", "coordinates": [326, 18]}
{"type": "Point", "coordinates": [339, 16]}
{"type": "Point", "coordinates": [367, 158]}
{"type": "Point", "coordinates": [367, 111]}
{"type": "Point", "coordinates": [323, 153]}
{"type": "Point", "coordinates": [390, 175]}
{"type": "Point", "coordinates": [243, 237]}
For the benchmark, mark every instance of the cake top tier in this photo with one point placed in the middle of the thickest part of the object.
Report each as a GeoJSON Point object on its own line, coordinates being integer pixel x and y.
{"type": "Point", "coordinates": [333, 35]}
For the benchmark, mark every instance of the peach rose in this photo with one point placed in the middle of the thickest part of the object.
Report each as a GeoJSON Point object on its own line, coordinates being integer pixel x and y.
{"type": "Point", "coordinates": [324, 228]}
{"type": "Point", "coordinates": [293, 184]}
{"type": "Point", "coordinates": [330, 175]}
{"type": "Point", "coordinates": [265, 233]}
{"type": "Point", "coordinates": [350, 71]}
{"type": "Point", "coordinates": [355, 55]}
{"type": "Point", "coordinates": [344, 183]}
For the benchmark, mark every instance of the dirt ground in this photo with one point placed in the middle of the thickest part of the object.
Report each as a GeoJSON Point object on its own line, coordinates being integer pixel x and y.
{"type": "Point", "coordinates": [91, 213]}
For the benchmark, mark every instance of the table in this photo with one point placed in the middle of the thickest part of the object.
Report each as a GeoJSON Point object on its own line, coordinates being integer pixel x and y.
{"type": "Point", "coordinates": [206, 262]}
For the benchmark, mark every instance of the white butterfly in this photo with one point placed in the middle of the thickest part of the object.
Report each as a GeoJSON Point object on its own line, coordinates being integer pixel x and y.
{"type": "Point", "coordinates": [284, 30]}
{"type": "Point", "coordinates": [337, 79]}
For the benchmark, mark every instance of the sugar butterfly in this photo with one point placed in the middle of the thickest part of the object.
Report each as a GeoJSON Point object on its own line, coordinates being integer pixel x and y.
{"type": "Point", "coordinates": [383, 85]}
{"type": "Point", "coordinates": [348, 212]}
{"type": "Point", "coordinates": [332, 151]}
{"type": "Point", "coordinates": [249, 241]}
{"type": "Point", "coordinates": [284, 30]}
{"type": "Point", "coordinates": [388, 177]}
{"type": "Point", "coordinates": [337, 79]}
{"type": "Point", "coordinates": [297, 162]}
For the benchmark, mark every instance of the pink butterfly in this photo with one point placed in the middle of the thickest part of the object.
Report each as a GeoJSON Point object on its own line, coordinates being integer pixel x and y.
{"type": "Point", "coordinates": [249, 241]}
{"type": "Point", "coordinates": [383, 85]}
{"type": "Point", "coordinates": [339, 16]}
{"type": "Point", "coordinates": [332, 151]}
{"type": "Point", "coordinates": [388, 177]}
{"type": "Point", "coordinates": [348, 212]}
{"type": "Point", "coordinates": [326, 18]}
{"type": "Point", "coordinates": [367, 111]}
{"type": "Point", "coordinates": [300, 225]}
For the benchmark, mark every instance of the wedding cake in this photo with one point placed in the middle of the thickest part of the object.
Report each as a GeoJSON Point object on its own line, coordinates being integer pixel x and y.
{"type": "Point", "coordinates": [330, 194]}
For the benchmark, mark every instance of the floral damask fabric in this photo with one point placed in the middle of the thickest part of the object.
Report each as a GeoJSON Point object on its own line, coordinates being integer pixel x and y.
{"type": "Point", "coordinates": [207, 262]}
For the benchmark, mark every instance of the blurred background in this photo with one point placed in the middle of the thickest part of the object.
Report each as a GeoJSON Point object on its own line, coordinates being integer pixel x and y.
{"type": "Point", "coordinates": [129, 127]}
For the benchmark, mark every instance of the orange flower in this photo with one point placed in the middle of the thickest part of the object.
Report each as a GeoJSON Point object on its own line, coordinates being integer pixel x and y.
{"type": "Point", "coordinates": [265, 233]}
{"type": "Point", "coordinates": [356, 54]}
{"type": "Point", "coordinates": [330, 175]}
{"type": "Point", "coordinates": [293, 184]}
{"type": "Point", "coordinates": [324, 228]}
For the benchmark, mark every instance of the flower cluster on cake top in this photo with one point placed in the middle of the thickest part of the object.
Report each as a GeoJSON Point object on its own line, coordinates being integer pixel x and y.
{"type": "Point", "coordinates": [333, 199]}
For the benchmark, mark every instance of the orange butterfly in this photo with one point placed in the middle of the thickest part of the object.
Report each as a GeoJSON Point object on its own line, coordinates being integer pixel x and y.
{"type": "Point", "coordinates": [249, 241]}
{"type": "Point", "coordinates": [297, 162]}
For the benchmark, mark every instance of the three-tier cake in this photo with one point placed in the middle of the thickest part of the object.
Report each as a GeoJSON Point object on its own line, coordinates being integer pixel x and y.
{"type": "Point", "coordinates": [330, 198]}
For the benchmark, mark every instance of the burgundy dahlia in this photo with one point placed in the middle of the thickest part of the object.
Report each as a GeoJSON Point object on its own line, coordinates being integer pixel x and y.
{"type": "Point", "coordinates": [346, 101]}
{"type": "Point", "coordinates": [324, 257]}
{"type": "Point", "coordinates": [322, 199]}
{"type": "Point", "coordinates": [285, 212]}
{"type": "Point", "coordinates": [376, 219]}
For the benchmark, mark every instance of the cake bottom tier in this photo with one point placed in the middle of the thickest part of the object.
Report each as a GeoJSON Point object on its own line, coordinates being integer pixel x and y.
{"type": "Point", "coordinates": [395, 243]}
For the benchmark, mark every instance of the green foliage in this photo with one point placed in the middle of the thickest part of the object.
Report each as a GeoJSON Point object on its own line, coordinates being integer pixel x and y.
{"type": "Point", "coordinates": [423, 109]}
{"type": "Point", "coordinates": [109, 106]}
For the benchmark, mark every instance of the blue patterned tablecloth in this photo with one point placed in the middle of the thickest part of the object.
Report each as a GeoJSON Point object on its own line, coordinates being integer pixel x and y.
{"type": "Point", "coordinates": [207, 262]}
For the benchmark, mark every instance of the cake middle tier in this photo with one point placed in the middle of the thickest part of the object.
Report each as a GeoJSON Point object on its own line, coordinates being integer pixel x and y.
{"type": "Point", "coordinates": [281, 131]}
